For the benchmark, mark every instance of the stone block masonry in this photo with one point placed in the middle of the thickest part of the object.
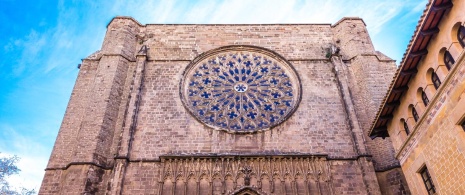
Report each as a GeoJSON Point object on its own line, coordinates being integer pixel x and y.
{"type": "Point", "coordinates": [127, 131]}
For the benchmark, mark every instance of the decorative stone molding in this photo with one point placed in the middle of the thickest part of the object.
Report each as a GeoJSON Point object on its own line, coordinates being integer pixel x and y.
{"type": "Point", "coordinates": [225, 174]}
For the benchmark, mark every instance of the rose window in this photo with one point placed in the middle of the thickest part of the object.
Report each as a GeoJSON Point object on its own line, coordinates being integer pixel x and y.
{"type": "Point", "coordinates": [240, 91]}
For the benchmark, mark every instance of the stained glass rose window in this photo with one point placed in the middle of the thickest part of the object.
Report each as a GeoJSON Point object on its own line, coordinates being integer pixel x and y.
{"type": "Point", "coordinates": [240, 89]}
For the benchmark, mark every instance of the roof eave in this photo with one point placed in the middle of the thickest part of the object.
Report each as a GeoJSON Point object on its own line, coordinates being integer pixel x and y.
{"type": "Point", "coordinates": [427, 27]}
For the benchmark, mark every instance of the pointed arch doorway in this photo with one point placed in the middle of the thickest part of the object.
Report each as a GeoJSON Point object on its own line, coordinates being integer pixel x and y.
{"type": "Point", "coordinates": [248, 191]}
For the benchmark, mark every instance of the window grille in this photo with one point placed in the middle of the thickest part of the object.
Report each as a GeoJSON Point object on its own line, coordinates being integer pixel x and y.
{"type": "Point", "coordinates": [426, 177]}
{"type": "Point", "coordinates": [425, 99]}
{"type": "Point", "coordinates": [407, 131]}
{"type": "Point", "coordinates": [415, 114]}
{"type": "Point", "coordinates": [461, 36]}
{"type": "Point", "coordinates": [436, 81]}
{"type": "Point", "coordinates": [448, 60]}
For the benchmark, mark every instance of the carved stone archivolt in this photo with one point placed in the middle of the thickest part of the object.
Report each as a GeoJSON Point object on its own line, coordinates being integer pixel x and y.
{"type": "Point", "coordinates": [234, 175]}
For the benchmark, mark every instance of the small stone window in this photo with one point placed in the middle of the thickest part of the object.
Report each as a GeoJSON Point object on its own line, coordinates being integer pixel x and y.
{"type": "Point", "coordinates": [415, 114]}
{"type": "Point", "coordinates": [448, 60]}
{"type": "Point", "coordinates": [425, 99]}
{"type": "Point", "coordinates": [407, 131]}
{"type": "Point", "coordinates": [461, 36]}
{"type": "Point", "coordinates": [426, 177]}
{"type": "Point", "coordinates": [436, 81]}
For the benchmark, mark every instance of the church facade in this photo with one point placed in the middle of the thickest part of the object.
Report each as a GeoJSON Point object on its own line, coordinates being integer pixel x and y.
{"type": "Point", "coordinates": [227, 109]}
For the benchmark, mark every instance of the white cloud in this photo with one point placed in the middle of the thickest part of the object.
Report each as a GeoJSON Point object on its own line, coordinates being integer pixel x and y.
{"type": "Point", "coordinates": [32, 172]}
{"type": "Point", "coordinates": [30, 47]}
{"type": "Point", "coordinates": [415, 8]}
{"type": "Point", "coordinates": [33, 157]}
{"type": "Point", "coordinates": [201, 11]}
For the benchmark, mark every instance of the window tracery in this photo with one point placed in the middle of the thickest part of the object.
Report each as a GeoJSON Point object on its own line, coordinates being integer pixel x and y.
{"type": "Point", "coordinates": [241, 91]}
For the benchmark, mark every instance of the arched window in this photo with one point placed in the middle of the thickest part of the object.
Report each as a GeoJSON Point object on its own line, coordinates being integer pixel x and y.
{"type": "Point", "coordinates": [424, 97]}
{"type": "Point", "coordinates": [461, 36]}
{"type": "Point", "coordinates": [415, 114]}
{"type": "Point", "coordinates": [448, 60]}
{"type": "Point", "coordinates": [436, 81]}
{"type": "Point", "coordinates": [407, 131]}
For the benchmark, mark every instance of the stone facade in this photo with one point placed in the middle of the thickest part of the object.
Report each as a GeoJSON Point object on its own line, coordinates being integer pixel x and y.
{"type": "Point", "coordinates": [127, 131]}
{"type": "Point", "coordinates": [427, 126]}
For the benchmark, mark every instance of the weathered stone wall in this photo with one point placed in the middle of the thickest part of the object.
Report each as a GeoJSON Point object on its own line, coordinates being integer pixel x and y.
{"type": "Point", "coordinates": [371, 79]}
{"type": "Point", "coordinates": [185, 42]}
{"type": "Point", "coordinates": [394, 181]}
{"type": "Point", "coordinates": [83, 150]}
{"type": "Point", "coordinates": [165, 127]}
{"type": "Point", "coordinates": [370, 72]}
{"type": "Point", "coordinates": [126, 114]}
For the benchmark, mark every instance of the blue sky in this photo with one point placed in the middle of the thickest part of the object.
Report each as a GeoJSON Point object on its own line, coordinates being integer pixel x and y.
{"type": "Point", "coordinates": [42, 42]}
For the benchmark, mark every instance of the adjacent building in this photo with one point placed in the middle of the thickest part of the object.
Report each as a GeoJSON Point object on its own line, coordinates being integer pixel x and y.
{"type": "Point", "coordinates": [424, 110]}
